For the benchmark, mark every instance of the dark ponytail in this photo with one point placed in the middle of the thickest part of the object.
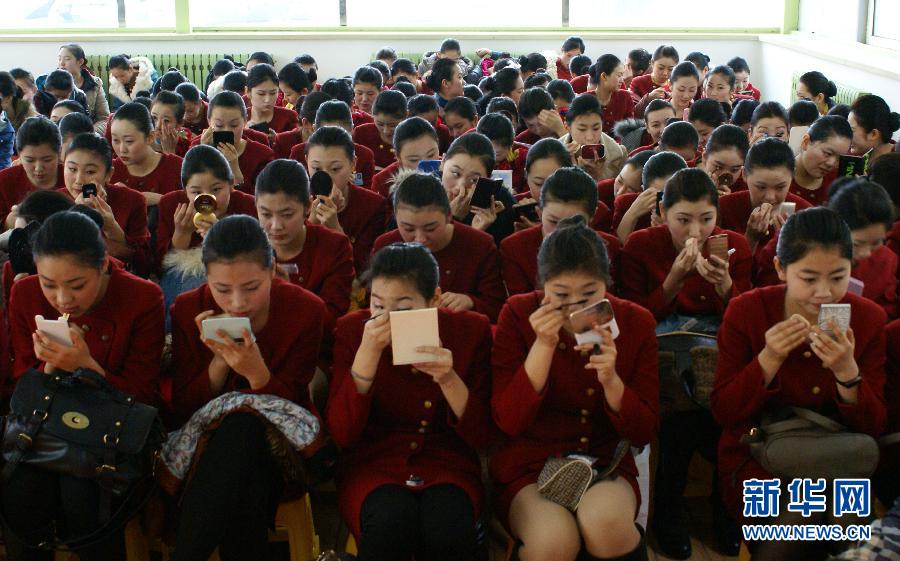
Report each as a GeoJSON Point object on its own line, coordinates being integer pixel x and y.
{"type": "Point", "coordinates": [872, 113]}
{"type": "Point", "coordinates": [817, 83]}
{"type": "Point", "coordinates": [410, 262]}
{"type": "Point", "coordinates": [70, 234]}
{"type": "Point", "coordinates": [237, 238]}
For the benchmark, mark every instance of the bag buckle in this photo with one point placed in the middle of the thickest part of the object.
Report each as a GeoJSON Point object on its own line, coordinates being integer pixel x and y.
{"type": "Point", "coordinates": [25, 438]}
{"type": "Point", "coordinates": [106, 468]}
{"type": "Point", "coordinates": [42, 414]}
{"type": "Point", "coordinates": [111, 443]}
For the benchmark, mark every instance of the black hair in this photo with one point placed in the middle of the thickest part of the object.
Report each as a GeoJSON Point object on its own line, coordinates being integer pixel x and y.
{"type": "Point", "coordinates": [328, 137]}
{"type": "Point", "coordinates": [726, 137]}
{"type": "Point", "coordinates": [165, 97]}
{"type": "Point", "coordinates": [332, 111]}
{"type": "Point", "coordinates": [38, 205]}
{"type": "Point", "coordinates": [707, 111]}
{"type": "Point", "coordinates": [699, 59]}
{"type": "Point", "coordinates": [769, 110]}
{"type": "Point", "coordinates": [237, 238]}
{"type": "Point", "coordinates": [548, 148]}
{"type": "Point", "coordinates": [472, 92]}
{"type": "Point", "coordinates": [679, 134]}
{"type": "Point", "coordinates": [873, 113]}
{"type": "Point", "coordinates": [691, 185]}
{"type": "Point", "coordinates": [390, 102]}
{"type": "Point", "coordinates": [606, 64]}
{"type": "Point", "coordinates": [284, 176]}
{"type": "Point", "coordinates": [640, 60]}
{"type": "Point", "coordinates": [95, 144]}
{"type": "Point", "coordinates": [420, 190]}
{"type": "Point", "coordinates": [340, 89]}
{"type": "Point", "coordinates": [640, 159]}
{"type": "Point", "coordinates": [59, 80]}
{"type": "Point", "coordinates": [35, 131]}
{"type": "Point", "coordinates": [538, 80]}
{"type": "Point", "coordinates": [561, 89]}
{"type": "Point", "coordinates": [307, 59]}
{"type": "Point", "coordinates": [570, 185]}
{"type": "Point", "coordinates": [861, 203]}
{"type": "Point", "coordinates": [503, 105]}
{"type": "Point", "coordinates": [235, 81]}
{"type": "Point", "coordinates": [505, 61]}
{"type": "Point", "coordinates": [8, 88]}
{"type": "Point", "coordinates": [73, 124]}
{"type": "Point", "coordinates": [386, 52]}
{"type": "Point", "coordinates": [534, 101]}
{"type": "Point", "coordinates": [403, 65]}
{"type": "Point", "coordinates": [22, 74]}
{"type": "Point", "coordinates": [188, 92]}
{"type": "Point", "coordinates": [137, 115]}
{"type": "Point", "coordinates": [462, 106]}
{"type": "Point", "coordinates": [579, 65]}
{"type": "Point", "coordinates": [817, 83]}
{"type": "Point", "coordinates": [501, 83]}
{"type": "Point", "coordinates": [295, 77]}
{"type": "Point", "coordinates": [885, 171]}
{"type": "Point", "coordinates": [684, 69]}
{"type": "Point", "coordinates": [656, 105]}
{"type": "Point", "coordinates": [405, 87]}
{"type": "Point", "coordinates": [584, 104]}
{"type": "Point", "coordinates": [222, 67]}
{"type": "Point", "coordinates": [309, 109]}
{"type": "Point", "coordinates": [421, 103]}
{"type": "Point", "coordinates": [769, 153]}
{"type": "Point", "coordinates": [450, 44]}
{"type": "Point", "coordinates": [262, 57]}
{"type": "Point", "coordinates": [70, 234]}
{"type": "Point", "coordinates": [228, 99]}
{"type": "Point", "coordinates": [841, 110]}
{"type": "Point", "coordinates": [442, 70]}
{"type": "Point", "coordinates": [738, 64]}
{"type": "Point", "coordinates": [203, 158]}
{"type": "Point", "coordinates": [76, 51]}
{"type": "Point", "coordinates": [368, 75]}
{"type": "Point", "coordinates": [532, 62]}
{"type": "Point", "coordinates": [573, 247]}
{"type": "Point", "coordinates": [828, 126]}
{"type": "Point", "coordinates": [410, 262]}
{"type": "Point", "coordinates": [727, 72]}
{"type": "Point", "coordinates": [498, 128]}
{"type": "Point", "coordinates": [573, 42]}
{"type": "Point", "coordinates": [412, 128]}
{"type": "Point", "coordinates": [743, 111]}
{"type": "Point", "coordinates": [145, 101]}
{"type": "Point", "coordinates": [803, 113]}
{"type": "Point", "coordinates": [383, 68]}
{"type": "Point", "coordinates": [476, 145]}
{"type": "Point", "coordinates": [122, 62]}
{"type": "Point", "coordinates": [811, 228]}
{"type": "Point", "coordinates": [665, 51]}
{"type": "Point", "coordinates": [171, 80]}
{"type": "Point", "coordinates": [661, 165]}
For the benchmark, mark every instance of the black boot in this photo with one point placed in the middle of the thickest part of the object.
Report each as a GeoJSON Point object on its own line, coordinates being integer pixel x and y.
{"type": "Point", "coordinates": [639, 553]}
{"type": "Point", "coordinates": [726, 529]}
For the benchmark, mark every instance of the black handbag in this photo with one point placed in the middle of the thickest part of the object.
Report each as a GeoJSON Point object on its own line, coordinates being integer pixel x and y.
{"type": "Point", "coordinates": [81, 425]}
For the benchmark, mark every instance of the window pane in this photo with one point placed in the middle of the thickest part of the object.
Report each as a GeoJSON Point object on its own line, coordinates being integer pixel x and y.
{"type": "Point", "coordinates": [436, 13]}
{"type": "Point", "coordinates": [150, 13]}
{"type": "Point", "coordinates": [664, 13]}
{"type": "Point", "coordinates": [23, 15]}
{"type": "Point", "coordinates": [887, 14]}
{"type": "Point", "coordinates": [264, 13]}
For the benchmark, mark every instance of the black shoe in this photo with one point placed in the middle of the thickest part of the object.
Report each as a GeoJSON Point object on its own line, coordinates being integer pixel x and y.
{"type": "Point", "coordinates": [672, 535]}
{"type": "Point", "coordinates": [728, 534]}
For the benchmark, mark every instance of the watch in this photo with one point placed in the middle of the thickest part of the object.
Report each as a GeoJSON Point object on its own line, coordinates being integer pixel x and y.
{"type": "Point", "coordinates": [850, 383]}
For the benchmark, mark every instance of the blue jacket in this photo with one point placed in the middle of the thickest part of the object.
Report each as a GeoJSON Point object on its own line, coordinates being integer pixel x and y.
{"type": "Point", "coordinates": [7, 142]}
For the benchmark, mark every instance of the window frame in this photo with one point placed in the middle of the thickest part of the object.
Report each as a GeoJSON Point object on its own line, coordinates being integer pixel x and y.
{"type": "Point", "coordinates": [875, 40]}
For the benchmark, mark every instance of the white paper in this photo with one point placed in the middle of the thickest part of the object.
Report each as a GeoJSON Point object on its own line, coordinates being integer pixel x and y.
{"type": "Point", "coordinates": [591, 336]}
{"type": "Point", "coordinates": [411, 329]}
{"type": "Point", "coordinates": [505, 175]}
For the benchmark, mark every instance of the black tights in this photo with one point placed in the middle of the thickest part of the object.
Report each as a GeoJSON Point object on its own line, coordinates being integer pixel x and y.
{"type": "Point", "coordinates": [437, 524]}
{"type": "Point", "coordinates": [231, 498]}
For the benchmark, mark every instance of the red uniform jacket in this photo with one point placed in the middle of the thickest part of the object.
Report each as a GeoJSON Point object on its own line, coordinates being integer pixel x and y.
{"type": "Point", "coordinates": [285, 141]}
{"type": "Point", "coordinates": [165, 178]}
{"type": "Point", "coordinates": [620, 107]}
{"type": "Point", "coordinates": [893, 238]}
{"type": "Point", "coordinates": [818, 197]}
{"type": "Point", "coordinates": [124, 331]}
{"type": "Point", "coordinates": [289, 345]}
{"type": "Point", "coordinates": [519, 253]}
{"type": "Point", "coordinates": [324, 267]}
{"type": "Point", "coordinates": [515, 160]}
{"type": "Point", "coordinates": [387, 436]}
{"type": "Point", "coordinates": [443, 134]}
{"type": "Point", "coordinates": [14, 185]}
{"type": "Point", "coordinates": [365, 162]}
{"type": "Point", "coordinates": [251, 162]}
{"type": "Point", "coordinates": [284, 120]}
{"type": "Point", "coordinates": [246, 134]}
{"type": "Point", "coordinates": [739, 398]}
{"type": "Point", "coordinates": [606, 192]}
{"type": "Point", "coordinates": [202, 124]}
{"type": "Point", "coordinates": [647, 258]}
{"type": "Point", "coordinates": [469, 265]}
{"type": "Point", "coordinates": [562, 71]}
{"type": "Point", "coordinates": [240, 203]}
{"type": "Point", "coordinates": [642, 85]}
{"type": "Point", "coordinates": [602, 220]}
{"type": "Point", "coordinates": [892, 380]}
{"type": "Point", "coordinates": [384, 180]}
{"type": "Point", "coordinates": [580, 83]}
{"type": "Point", "coordinates": [368, 136]}
{"type": "Point", "coordinates": [621, 205]}
{"type": "Point", "coordinates": [735, 209]}
{"type": "Point", "coordinates": [363, 220]}
{"type": "Point", "coordinates": [571, 414]}
{"type": "Point", "coordinates": [527, 137]}
{"type": "Point", "coordinates": [361, 118]}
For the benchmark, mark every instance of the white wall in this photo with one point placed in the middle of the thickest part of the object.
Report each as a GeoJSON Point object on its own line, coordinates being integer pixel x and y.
{"type": "Point", "coordinates": [843, 20]}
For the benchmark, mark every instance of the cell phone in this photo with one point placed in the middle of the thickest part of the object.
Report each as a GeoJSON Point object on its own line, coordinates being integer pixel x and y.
{"type": "Point", "coordinates": [659, 199]}
{"type": "Point", "coordinates": [856, 286]}
{"type": "Point", "coordinates": [851, 166]}
{"type": "Point", "coordinates": [261, 127]}
{"type": "Point", "coordinates": [233, 327]}
{"type": "Point", "coordinates": [320, 184]}
{"type": "Point", "coordinates": [486, 188]}
{"type": "Point", "coordinates": [583, 321]}
{"type": "Point", "coordinates": [88, 190]}
{"type": "Point", "coordinates": [718, 245]}
{"type": "Point", "coordinates": [787, 208]}
{"type": "Point", "coordinates": [411, 329]}
{"type": "Point", "coordinates": [57, 330]}
{"type": "Point", "coordinates": [505, 175]}
{"type": "Point", "coordinates": [429, 166]}
{"type": "Point", "coordinates": [725, 180]}
{"type": "Point", "coordinates": [840, 313]}
{"type": "Point", "coordinates": [593, 151]}
{"type": "Point", "coordinates": [527, 210]}
{"type": "Point", "coordinates": [223, 137]}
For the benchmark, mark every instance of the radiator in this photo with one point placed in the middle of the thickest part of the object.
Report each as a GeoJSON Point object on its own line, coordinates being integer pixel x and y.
{"type": "Point", "coordinates": [845, 94]}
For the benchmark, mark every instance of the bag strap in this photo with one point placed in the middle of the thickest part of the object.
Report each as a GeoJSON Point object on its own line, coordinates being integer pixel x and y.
{"type": "Point", "coordinates": [25, 439]}
{"type": "Point", "coordinates": [821, 420]}
{"type": "Point", "coordinates": [622, 450]}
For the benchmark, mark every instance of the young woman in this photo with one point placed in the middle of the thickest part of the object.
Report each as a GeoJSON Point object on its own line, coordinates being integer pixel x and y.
{"type": "Point", "coordinates": [742, 113]}
{"type": "Point", "coordinates": [138, 166]}
{"type": "Point", "coordinates": [357, 212]}
{"type": "Point", "coordinates": [294, 84]}
{"type": "Point", "coordinates": [723, 158]}
{"type": "Point", "coordinates": [637, 63]}
{"type": "Point", "coordinates": [683, 86]}
{"type": "Point", "coordinates": [263, 85]}
{"type": "Point", "coordinates": [503, 83]}
{"type": "Point", "coordinates": [815, 87]}
{"type": "Point", "coordinates": [886, 171]}
{"type": "Point", "coordinates": [313, 256]}
{"type": "Point", "coordinates": [227, 113]}
{"type": "Point", "coordinates": [532, 64]}
{"type": "Point", "coordinates": [553, 397]}
{"type": "Point", "coordinates": [167, 112]}
{"type": "Point", "coordinates": [38, 144]}
{"type": "Point", "coordinates": [566, 192]}
{"type": "Point", "coordinates": [772, 353]}
{"type": "Point", "coordinates": [585, 122]}
{"type": "Point", "coordinates": [652, 86]}
{"type": "Point", "coordinates": [608, 73]}
{"type": "Point", "coordinates": [628, 180]}
{"type": "Point", "coordinates": [233, 493]}
{"type": "Point", "coordinates": [410, 480]}
{"type": "Point", "coordinates": [720, 84]}
{"type": "Point", "coordinates": [538, 114]}
{"type": "Point", "coordinates": [405, 68]}
{"type": "Point", "coordinates": [13, 102]}
{"type": "Point", "coordinates": [71, 59]}
{"type": "Point", "coordinates": [656, 117]}
{"type": "Point", "coordinates": [460, 116]}
{"type": "Point", "coordinates": [769, 119]}
{"type": "Point", "coordinates": [468, 258]}
{"type": "Point", "coordinates": [195, 109]}
{"type": "Point", "coordinates": [742, 78]}
{"type": "Point", "coordinates": [128, 77]}
{"type": "Point", "coordinates": [116, 326]}
{"type": "Point", "coordinates": [701, 62]}
{"type": "Point", "coordinates": [446, 81]}
{"type": "Point", "coordinates": [415, 140]}
{"type": "Point", "coordinates": [820, 151]}
{"type": "Point", "coordinates": [873, 124]}
{"type": "Point", "coordinates": [706, 115]}
{"type": "Point", "coordinates": [638, 211]}
{"type": "Point", "coordinates": [571, 47]}
{"type": "Point", "coordinates": [470, 158]}
{"type": "Point", "coordinates": [388, 110]}
{"type": "Point", "coordinates": [669, 270]}
{"type": "Point", "coordinates": [508, 154]}
{"type": "Point", "coordinates": [544, 157]}
{"type": "Point", "coordinates": [367, 83]}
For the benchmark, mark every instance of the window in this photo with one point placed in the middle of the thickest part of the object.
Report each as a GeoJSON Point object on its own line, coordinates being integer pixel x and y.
{"type": "Point", "coordinates": [883, 18]}
{"type": "Point", "coordinates": [25, 15]}
{"type": "Point", "coordinates": [262, 14]}
{"type": "Point", "coordinates": [628, 14]}
{"type": "Point", "coordinates": [461, 14]}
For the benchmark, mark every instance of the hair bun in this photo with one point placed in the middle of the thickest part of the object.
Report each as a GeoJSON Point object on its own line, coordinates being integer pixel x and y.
{"type": "Point", "coordinates": [831, 90]}
{"type": "Point", "coordinates": [574, 221]}
{"type": "Point", "coordinates": [895, 121]}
